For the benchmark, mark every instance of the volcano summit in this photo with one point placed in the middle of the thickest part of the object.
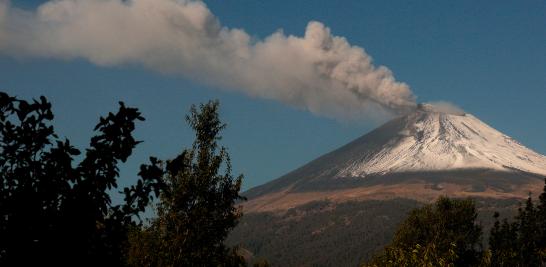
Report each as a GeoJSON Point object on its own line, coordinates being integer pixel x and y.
{"type": "Point", "coordinates": [430, 152]}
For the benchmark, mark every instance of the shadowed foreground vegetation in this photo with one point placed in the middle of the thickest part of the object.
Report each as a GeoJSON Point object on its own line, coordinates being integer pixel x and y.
{"type": "Point", "coordinates": [441, 234]}
{"type": "Point", "coordinates": [54, 211]}
{"type": "Point", "coordinates": [197, 208]}
{"type": "Point", "coordinates": [57, 211]}
{"type": "Point", "coordinates": [446, 233]}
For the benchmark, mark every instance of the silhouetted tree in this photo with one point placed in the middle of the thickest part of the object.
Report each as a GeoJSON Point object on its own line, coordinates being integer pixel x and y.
{"type": "Point", "coordinates": [523, 241]}
{"type": "Point", "coordinates": [504, 243]}
{"type": "Point", "coordinates": [444, 233]}
{"type": "Point", "coordinates": [55, 214]}
{"type": "Point", "coordinates": [197, 208]}
{"type": "Point", "coordinates": [541, 222]}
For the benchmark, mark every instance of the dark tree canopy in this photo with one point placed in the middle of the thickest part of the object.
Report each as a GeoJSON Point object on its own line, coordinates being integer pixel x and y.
{"type": "Point", "coordinates": [444, 233]}
{"type": "Point", "coordinates": [54, 212]}
{"type": "Point", "coordinates": [521, 242]}
{"type": "Point", "coordinates": [198, 206]}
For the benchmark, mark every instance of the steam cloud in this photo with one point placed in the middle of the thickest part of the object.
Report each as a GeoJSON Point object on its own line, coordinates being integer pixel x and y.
{"type": "Point", "coordinates": [446, 107]}
{"type": "Point", "coordinates": [319, 72]}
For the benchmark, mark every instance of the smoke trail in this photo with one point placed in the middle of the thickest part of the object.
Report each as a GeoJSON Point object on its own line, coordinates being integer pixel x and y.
{"type": "Point", "coordinates": [442, 107]}
{"type": "Point", "coordinates": [318, 72]}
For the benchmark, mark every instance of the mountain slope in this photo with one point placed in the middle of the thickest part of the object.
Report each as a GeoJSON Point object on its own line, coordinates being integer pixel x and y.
{"type": "Point", "coordinates": [422, 155]}
{"type": "Point", "coordinates": [431, 140]}
{"type": "Point", "coordinates": [342, 207]}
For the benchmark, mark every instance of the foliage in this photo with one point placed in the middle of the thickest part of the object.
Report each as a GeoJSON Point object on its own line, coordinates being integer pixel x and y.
{"type": "Point", "coordinates": [261, 263]}
{"type": "Point", "coordinates": [426, 256]}
{"type": "Point", "coordinates": [444, 233]}
{"type": "Point", "coordinates": [197, 207]}
{"type": "Point", "coordinates": [52, 213]}
{"type": "Point", "coordinates": [521, 242]}
{"type": "Point", "coordinates": [503, 243]}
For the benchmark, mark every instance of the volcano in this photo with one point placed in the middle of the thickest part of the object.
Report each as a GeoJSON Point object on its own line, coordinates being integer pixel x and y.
{"type": "Point", "coordinates": [422, 155]}
{"type": "Point", "coordinates": [343, 207]}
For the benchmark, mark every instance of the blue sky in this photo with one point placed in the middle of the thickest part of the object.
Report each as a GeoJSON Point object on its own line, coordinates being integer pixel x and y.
{"type": "Point", "coordinates": [488, 57]}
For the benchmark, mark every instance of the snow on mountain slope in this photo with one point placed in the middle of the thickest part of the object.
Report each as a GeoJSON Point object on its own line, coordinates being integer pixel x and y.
{"type": "Point", "coordinates": [428, 153]}
{"type": "Point", "coordinates": [430, 140]}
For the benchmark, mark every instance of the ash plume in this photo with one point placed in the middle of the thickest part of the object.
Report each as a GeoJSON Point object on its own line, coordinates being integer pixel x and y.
{"type": "Point", "coordinates": [441, 107]}
{"type": "Point", "coordinates": [318, 72]}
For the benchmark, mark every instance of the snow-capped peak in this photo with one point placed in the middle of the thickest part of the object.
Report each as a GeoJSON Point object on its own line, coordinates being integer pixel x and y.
{"type": "Point", "coordinates": [433, 138]}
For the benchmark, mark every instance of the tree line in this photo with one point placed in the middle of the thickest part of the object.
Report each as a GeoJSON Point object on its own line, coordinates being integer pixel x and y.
{"type": "Point", "coordinates": [56, 207]}
{"type": "Point", "coordinates": [446, 233]}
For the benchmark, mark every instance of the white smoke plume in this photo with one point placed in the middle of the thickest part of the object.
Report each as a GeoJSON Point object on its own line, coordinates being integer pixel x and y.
{"type": "Point", "coordinates": [445, 107]}
{"type": "Point", "coordinates": [319, 72]}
